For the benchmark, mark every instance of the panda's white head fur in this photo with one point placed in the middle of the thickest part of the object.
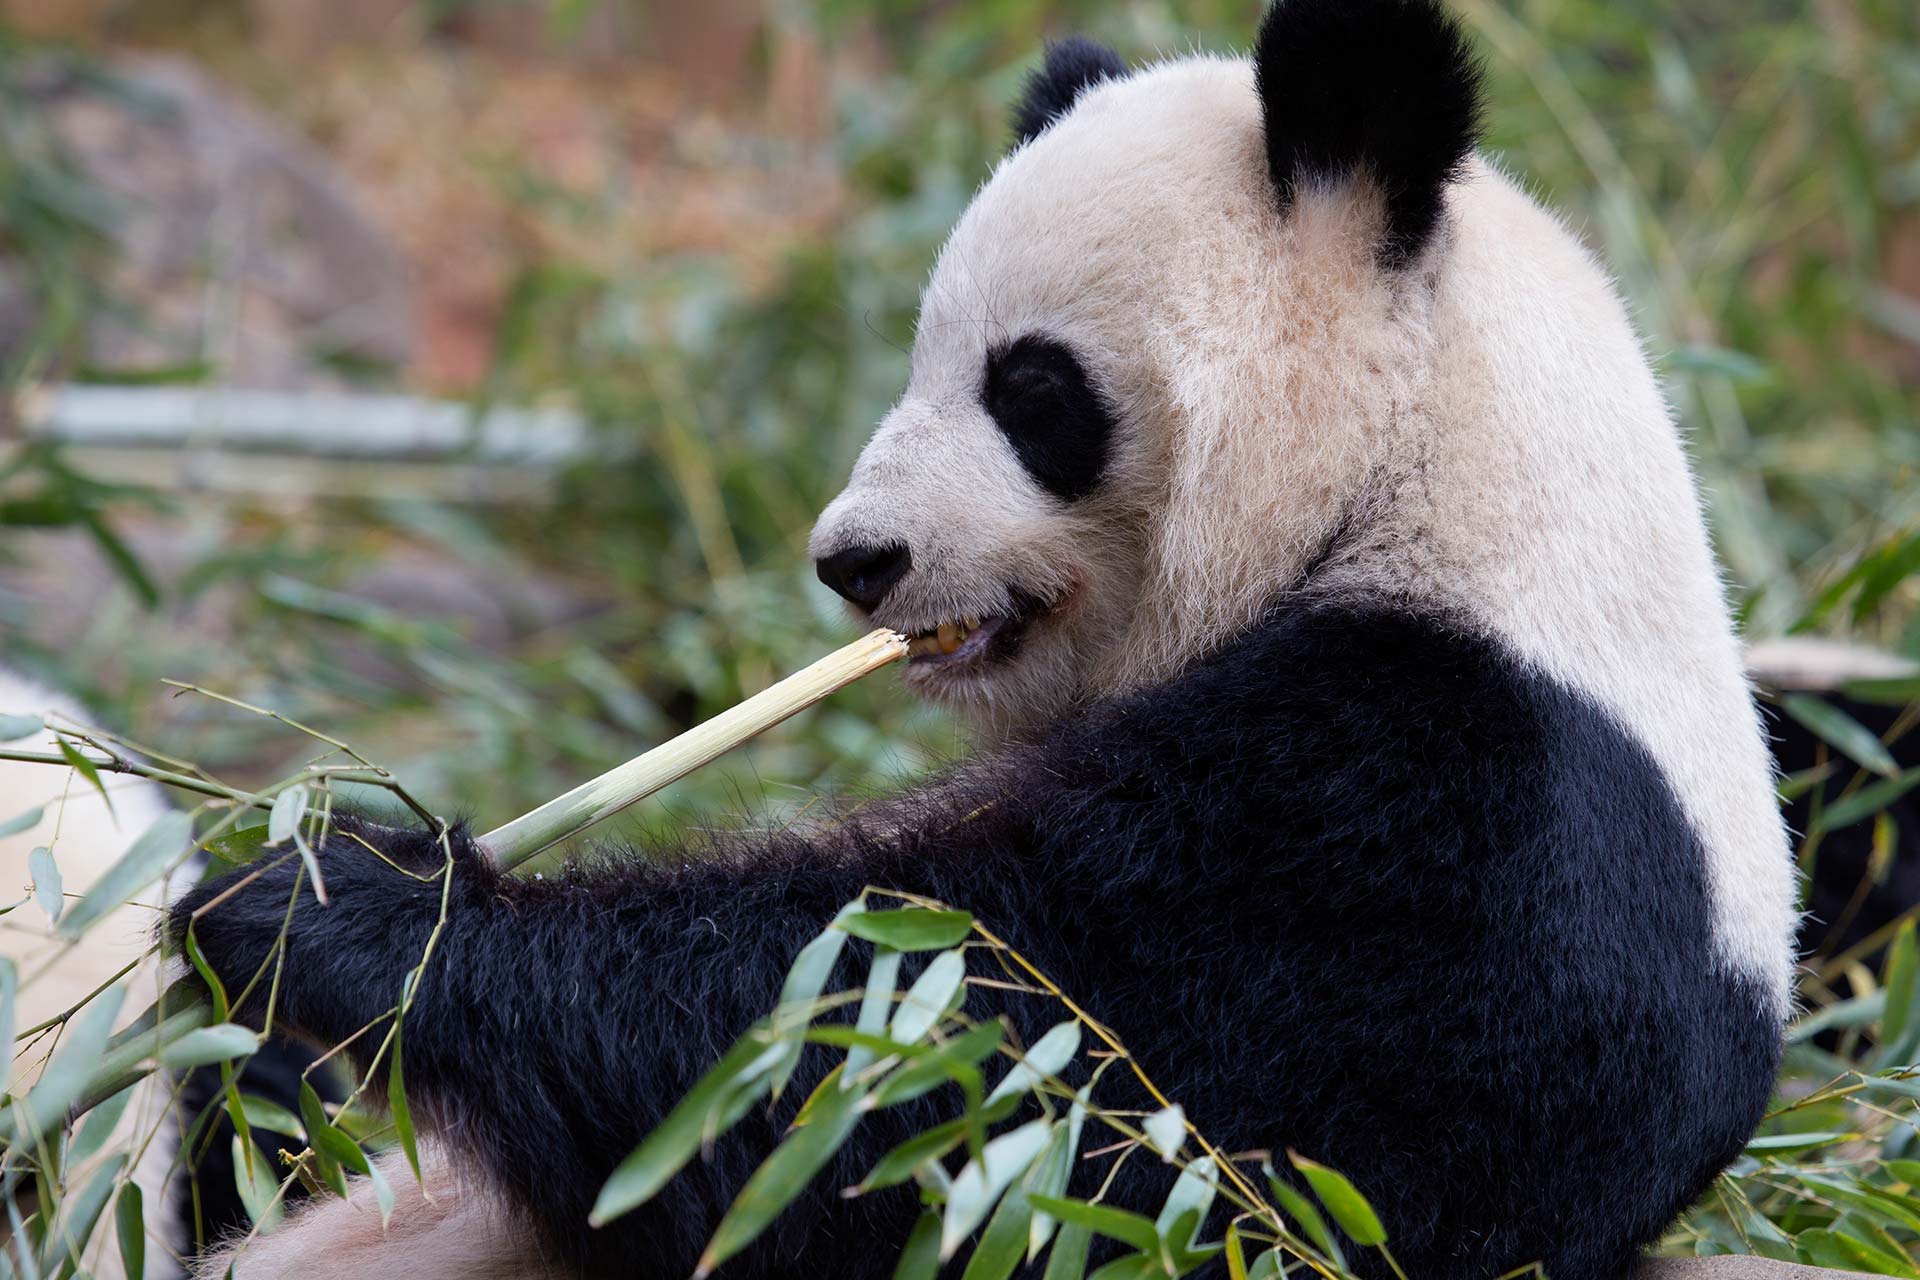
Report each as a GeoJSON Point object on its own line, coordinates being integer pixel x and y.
{"type": "Point", "coordinates": [1224, 334]}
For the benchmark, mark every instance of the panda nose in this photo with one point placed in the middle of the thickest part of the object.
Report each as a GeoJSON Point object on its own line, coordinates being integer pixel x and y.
{"type": "Point", "coordinates": [864, 575]}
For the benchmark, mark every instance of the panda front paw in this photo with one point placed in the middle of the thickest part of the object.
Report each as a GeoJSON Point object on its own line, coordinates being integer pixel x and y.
{"type": "Point", "coordinates": [340, 961]}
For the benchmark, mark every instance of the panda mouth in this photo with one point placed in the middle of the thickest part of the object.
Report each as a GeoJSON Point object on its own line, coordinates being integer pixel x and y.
{"type": "Point", "coordinates": [954, 643]}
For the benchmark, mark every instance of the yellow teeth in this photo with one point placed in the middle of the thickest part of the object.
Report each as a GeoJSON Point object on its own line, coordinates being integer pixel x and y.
{"type": "Point", "coordinates": [943, 639]}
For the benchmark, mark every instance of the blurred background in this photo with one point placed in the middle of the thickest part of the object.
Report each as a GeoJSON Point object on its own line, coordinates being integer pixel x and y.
{"type": "Point", "coordinates": [462, 376]}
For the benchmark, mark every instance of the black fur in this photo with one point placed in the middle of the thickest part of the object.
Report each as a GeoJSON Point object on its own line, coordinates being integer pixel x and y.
{"type": "Point", "coordinates": [1058, 422]}
{"type": "Point", "coordinates": [1385, 87]}
{"type": "Point", "coordinates": [1360, 884]}
{"type": "Point", "coordinates": [1052, 88]}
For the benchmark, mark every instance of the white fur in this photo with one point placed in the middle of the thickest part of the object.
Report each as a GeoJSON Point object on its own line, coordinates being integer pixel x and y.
{"type": "Point", "coordinates": [85, 838]}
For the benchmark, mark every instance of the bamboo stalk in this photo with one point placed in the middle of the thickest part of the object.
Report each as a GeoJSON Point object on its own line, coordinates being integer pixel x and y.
{"type": "Point", "coordinates": [608, 794]}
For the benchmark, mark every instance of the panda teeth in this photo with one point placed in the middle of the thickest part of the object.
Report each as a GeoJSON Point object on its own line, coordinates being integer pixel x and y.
{"type": "Point", "coordinates": [944, 639]}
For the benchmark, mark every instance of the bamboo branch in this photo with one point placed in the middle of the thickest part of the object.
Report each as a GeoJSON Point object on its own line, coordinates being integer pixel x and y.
{"type": "Point", "coordinates": [608, 794]}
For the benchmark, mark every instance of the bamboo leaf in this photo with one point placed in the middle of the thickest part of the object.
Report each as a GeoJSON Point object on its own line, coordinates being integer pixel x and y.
{"type": "Point", "coordinates": [927, 999]}
{"type": "Point", "coordinates": [1822, 1248]}
{"type": "Point", "coordinates": [1116, 1224]}
{"type": "Point", "coordinates": [284, 818]}
{"type": "Point", "coordinates": [262, 1114]}
{"type": "Point", "coordinates": [1048, 1057]}
{"type": "Point", "coordinates": [1003, 1245]}
{"type": "Point", "coordinates": [130, 1226]}
{"type": "Point", "coordinates": [1897, 980]}
{"type": "Point", "coordinates": [161, 845]}
{"type": "Point", "coordinates": [255, 1186]}
{"type": "Point", "coordinates": [743, 1072]}
{"type": "Point", "coordinates": [1192, 1191]}
{"type": "Point", "coordinates": [9, 989]}
{"type": "Point", "coordinates": [1302, 1211]}
{"type": "Point", "coordinates": [46, 882]}
{"type": "Point", "coordinates": [980, 1183]}
{"type": "Point", "coordinates": [98, 1127]}
{"type": "Point", "coordinates": [397, 1105]}
{"type": "Point", "coordinates": [953, 1060]}
{"type": "Point", "coordinates": [219, 1043]}
{"type": "Point", "coordinates": [876, 1003]}
{"type": "Point", "coordinates": [86, 768]}
{"type": "Point", "coordinates": [898, 1165]}
{"type": "Point", "coordinates": [1166, 1131]}
{"type": "Point", "coordinates": [782, 1177]}
{"type": "Point", "coordinates": [14, 728]}
{"type": "Point", "coordinates": [382, 1193]}
{"type": "Point", "coordinates": [806, 978]}
{"type": "Point", "coordinates": [1866, 802]}
{"type": "Point", "coordinates": [73, 1223]}
{"type": "Point", "coordinates": [67, 1076]}
{"type": "Point", "coordinates": [1343, 1200]}
{"type": "Point", "coordinates": [911, 928]}
{"type": "Point", "coordinates": [1840, 731]}
{"type": "Point", "coordinates": [920, 1260]}
{"type": "Point", "coordinates": [1068, 1261]}
{"type": "Point", "coordinates": [1056, 1166]}
{"type": "Point", "coordinates": [22, 821]}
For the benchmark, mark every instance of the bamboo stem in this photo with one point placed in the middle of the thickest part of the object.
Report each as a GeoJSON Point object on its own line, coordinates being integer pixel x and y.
{"type": "Point", "coordinates": [608, 794]}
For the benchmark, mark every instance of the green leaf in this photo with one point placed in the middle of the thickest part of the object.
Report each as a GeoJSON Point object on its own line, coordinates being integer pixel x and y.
{"type": "Point", "coordinates": [397, 1105]}
{"type": "Point", "coordinates": [284, 818]}
{"type": "Point", "coordinates": [920, 1260]}
{"type": "Point", "coordinates": [1069, 1258]}
{"type": "Point", "coordinates": [161, 845]}
{"type": "Point", "coordinates": [1050, 1176]}
{"type": "Point", "coordinates": [876, 1003]}
{"type": "Point", "coordinates": [86, 769]}
{"type": "Point", "coordinates": [927, 999]}
{"type": "Point", "coordinates": [258, 1191]}
{"type": "Point", "coordinates": [805, 980]}
{"type": "Point", "coordinates": [1823, 1248]}
{"type": "Point", "coordinates": [1796, 1142]}
{"type": "Point", "coordinates": [1840, 731]}
{"type": "Point", "coordinates": [22, 822]}
{"type": "Point", "coordinates": [950, 1061]}
{"type": "Point", "coordinates": [67, 1076]}
{"type": "Point", "coordinates": [1867, 801]}
{"type": "Point", "coordinates": [1302, 1211]}
{"type": "Point", "coordinates": [1897, 691]}
{"type": "Point", "coordinates": [46, 882]}
{"type": "Point", "coordinates": [98, 1127]}
{"type": "Point", "coordinates": [1003, 1245]}
{"type": "Point", "coordinates": [898, 1165]}
{"type": "Point", "coordinates": [1048, 1057]}
{"type": "Point", "coordinates": [14, 728]}
{"type": "Point", "coordinates": [262, 1114]}
{"type": "Point", "coordinates": [1166, 1131]}
{"type": "Point", "coordinates": [1907, 1171]}
{"type": "Point", "coordinates": [980, 1182]}
{"type": "Point", "coordinates": [130, 1225]}
{"type": "Point", "coordinates": [911, 928]}
{"type": "Point", "coordinates": [382, 1193]}
{"type": "Point", "coordinates": [1193, 1190]}
{"type": "Point", "coordinates": [781, 1177]}
{"type": "Point", "coordinates": [1115, 1224]}
{"type": "Point", "coordinates": [1343, 1200]}
{"type": "Point", "coordinates": [327, 1138]}
{"type": "Point", "coordinates": [218, 1043]}
{"type": "Point", "coordinates": [743, 1072]}
{"type": "Point", "coordinates": [1135, 1266]}
{"type": "Point", "coordinates": [237, 848]}
{"type": "Point", "coordinates": [78, 1212]}
{"type": "Point", "coordinates": [1897, 980]}
{"type": "Point", "coordinates": [1268, 1266]}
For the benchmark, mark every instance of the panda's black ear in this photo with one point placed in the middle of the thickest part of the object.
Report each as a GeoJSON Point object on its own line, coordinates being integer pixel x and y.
{"type": "Point", "coordinates": [1071, 65]}
{"type": "Point", "coordinates": [1385, 87]}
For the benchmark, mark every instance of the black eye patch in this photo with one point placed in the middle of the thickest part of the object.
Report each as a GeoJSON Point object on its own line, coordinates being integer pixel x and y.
{"type": "Point", "coordinates": [1057, 421]}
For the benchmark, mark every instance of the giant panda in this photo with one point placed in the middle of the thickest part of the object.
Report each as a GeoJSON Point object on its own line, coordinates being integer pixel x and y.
{"type": "Point", "coordinates": [1287, 499]}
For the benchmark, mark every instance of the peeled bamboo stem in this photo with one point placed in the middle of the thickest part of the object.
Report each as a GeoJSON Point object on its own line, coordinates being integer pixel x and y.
{"type": "Point", "coordinates": [608, 794]}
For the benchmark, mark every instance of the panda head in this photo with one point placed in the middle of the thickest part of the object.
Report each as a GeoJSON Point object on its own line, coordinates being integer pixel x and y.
{"type": "Point", "coordinates": [1152, 353]}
